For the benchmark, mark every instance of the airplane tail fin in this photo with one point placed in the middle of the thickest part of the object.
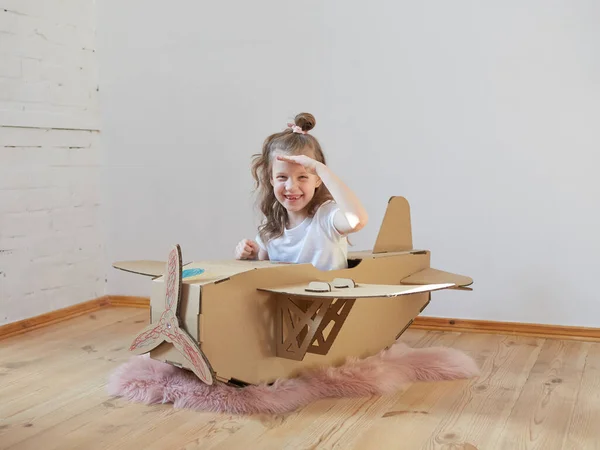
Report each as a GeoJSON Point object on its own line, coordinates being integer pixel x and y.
{"type": "Point", "coordinates": [395, 233]}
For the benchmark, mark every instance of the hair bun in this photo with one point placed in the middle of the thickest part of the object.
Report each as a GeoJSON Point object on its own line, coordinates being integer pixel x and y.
{"type": "Point", "coordinates": [306, 121]}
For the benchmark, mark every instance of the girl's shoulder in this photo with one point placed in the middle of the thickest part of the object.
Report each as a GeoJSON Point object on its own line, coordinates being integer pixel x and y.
{"type": "Point", "coordinates": [325, 211]}
{"type": "Point", "coordinates": [328, 206]}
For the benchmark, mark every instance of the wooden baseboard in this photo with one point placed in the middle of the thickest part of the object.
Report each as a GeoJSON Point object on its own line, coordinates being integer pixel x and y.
{"type": "Point", "coordinates": [22, 326]}
{"type": "Point", "coordinates": [129, 301]}
{"type": "Point", "coordinates": [511, 328]}
{"type": "Point", "coordinates": [60, 315]}
{"type": "Point", "coordinates": [420, 322]}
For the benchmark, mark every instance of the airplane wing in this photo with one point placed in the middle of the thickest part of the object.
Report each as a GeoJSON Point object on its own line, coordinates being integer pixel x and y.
{"type": "Point", "coordinates": [328, 290]}
{"type": "Point", "coordinates": [148, 268]}
{"type": "Point", "coordinates": [154, 268]}
{"type": "Point", "coordinates": [429, 276]}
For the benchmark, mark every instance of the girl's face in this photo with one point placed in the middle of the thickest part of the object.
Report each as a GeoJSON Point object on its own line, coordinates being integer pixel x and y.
{"type": "Point", "coordinates": [293, 186]}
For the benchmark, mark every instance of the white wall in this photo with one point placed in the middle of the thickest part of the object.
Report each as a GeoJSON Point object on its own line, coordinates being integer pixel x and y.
{"type": "Point", "coordinates": [483, 115]}
{"type": "Point", "coordinates": [51, 242]}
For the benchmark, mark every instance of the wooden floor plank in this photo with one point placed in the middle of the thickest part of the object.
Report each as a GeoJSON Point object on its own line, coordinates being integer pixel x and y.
{"type": "Point", "coordinates": [324, 424]}
{"type": "Point", "coordinates": [422, 338]}
{"type": "Point", "coordinates": [411, 415]}
{"type": "Point", "coordinates": [66, 357]}
{"type": "Point", "coordinates": [583, 431]}
{"type": "Point", "coordinates": [181, 429]}
{"type": "Point", "coordinates": [460, 413]}
{"type": "Point", "coordinates": [532, 393]}
{"type": "Point", "coordinates": [476, 417]}
{"type": "Point", "coordinates": [411, 337]}
{"type": "Point", "coordinates": [68, 330]}
{"type": "Point", "coordinates": [43, 394]}
{"type": "Point", "coordinates": [541, 416]}
{"type": "Point", "coordinates": [26, 368]}
{"type": "Point", "coordinates": [329, 414]}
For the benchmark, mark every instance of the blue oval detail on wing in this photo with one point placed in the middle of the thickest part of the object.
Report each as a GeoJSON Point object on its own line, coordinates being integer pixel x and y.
{"type": "Point", "coordinates": [191, 272]}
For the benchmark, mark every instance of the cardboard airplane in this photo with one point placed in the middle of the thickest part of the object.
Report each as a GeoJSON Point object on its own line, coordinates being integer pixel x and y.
{"type": "Point", "coordinates": [249, 322]}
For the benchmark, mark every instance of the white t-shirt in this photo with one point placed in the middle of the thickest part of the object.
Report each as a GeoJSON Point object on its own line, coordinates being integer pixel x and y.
{"type": "Point", "coordinates": [314, 241]}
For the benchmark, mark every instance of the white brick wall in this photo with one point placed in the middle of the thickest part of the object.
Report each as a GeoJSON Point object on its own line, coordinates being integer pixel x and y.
{"type": "Point", "coordinates": [51, 240]}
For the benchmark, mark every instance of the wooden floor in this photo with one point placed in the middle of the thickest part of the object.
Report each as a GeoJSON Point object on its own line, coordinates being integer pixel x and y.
{"type": "Point", "coordinates": [533, 393]}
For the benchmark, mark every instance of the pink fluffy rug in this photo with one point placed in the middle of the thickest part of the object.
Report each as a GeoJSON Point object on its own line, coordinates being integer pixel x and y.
{"type": "Point", "coordinates": [145, 380]}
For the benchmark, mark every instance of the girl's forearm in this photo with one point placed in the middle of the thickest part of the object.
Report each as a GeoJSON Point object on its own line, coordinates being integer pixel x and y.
{"type": "Point", "coordinates": [351, 206]}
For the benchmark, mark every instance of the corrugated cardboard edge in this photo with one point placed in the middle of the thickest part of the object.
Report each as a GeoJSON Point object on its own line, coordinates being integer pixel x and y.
{"type": "Point", "coordinates": [419, 323]}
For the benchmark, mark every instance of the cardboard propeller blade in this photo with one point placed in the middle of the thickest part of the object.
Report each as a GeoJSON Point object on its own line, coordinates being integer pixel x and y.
{"type": "Point", "coordinates": [431, 276]}
{"type": "Point", "coordinates": [360, 291]}
{"type": "Point", "coordinates": [154, 334]}
{"type": "Point", "coordinates": [148, 339]}
{"type": "Point", "coordinates": [189, 350]}
{"type": "Point", "coordinates": [168, 329]}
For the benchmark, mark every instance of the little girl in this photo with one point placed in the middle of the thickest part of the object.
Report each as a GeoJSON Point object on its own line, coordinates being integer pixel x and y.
{"type": "Point", "coordinates": [308, 210]}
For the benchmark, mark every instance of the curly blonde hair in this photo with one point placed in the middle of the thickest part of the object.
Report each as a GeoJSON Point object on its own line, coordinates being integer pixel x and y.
{"type": "Point", "coordinates": [290, 143]}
